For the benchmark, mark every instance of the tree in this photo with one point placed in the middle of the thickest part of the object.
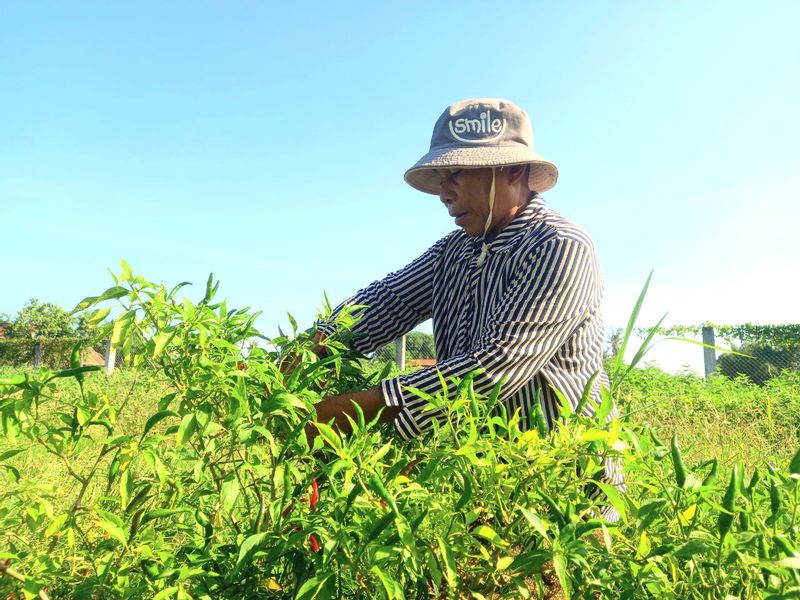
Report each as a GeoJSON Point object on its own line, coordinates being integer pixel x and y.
{"type": "Point", "coordinates": [761, 363]}
{"type": "Point", "coordinates": [614, 342]}
{"type": "Point", "coordinates": [42, 320]}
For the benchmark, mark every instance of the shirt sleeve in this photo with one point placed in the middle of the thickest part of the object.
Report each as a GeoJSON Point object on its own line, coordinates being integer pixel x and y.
{"type": "Point", "coordinates": [393, 305]}
{"type": "Point", "coordinates": [558, 287]}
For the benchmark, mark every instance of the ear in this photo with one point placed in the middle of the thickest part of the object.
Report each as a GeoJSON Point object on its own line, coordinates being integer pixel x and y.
{"type": "Point", "coordinates": [515, 173]}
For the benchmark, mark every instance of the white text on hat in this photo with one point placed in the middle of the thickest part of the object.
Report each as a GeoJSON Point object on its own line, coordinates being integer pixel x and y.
{"type": "Point", "coordinates": [484, 124]}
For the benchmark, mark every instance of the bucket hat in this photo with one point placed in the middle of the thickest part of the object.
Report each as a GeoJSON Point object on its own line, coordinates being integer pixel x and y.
{"type": "Point", "coordinates": [477, 133]}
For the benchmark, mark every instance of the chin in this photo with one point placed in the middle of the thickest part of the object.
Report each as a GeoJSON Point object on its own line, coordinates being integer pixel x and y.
{"type": "Point", "coordinates": [471, 232]}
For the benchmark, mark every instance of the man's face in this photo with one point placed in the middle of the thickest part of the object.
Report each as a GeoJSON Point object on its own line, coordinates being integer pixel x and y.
{"type": "Point", "coordinates": [465, 193]}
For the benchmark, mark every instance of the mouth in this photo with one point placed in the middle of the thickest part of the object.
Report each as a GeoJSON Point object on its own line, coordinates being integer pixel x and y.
{"type": "Point", "coordinates": [460, 218]}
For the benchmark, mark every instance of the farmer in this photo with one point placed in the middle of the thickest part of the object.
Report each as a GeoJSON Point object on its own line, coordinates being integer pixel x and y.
{"type": "Point", "coordinates": [515, 291]}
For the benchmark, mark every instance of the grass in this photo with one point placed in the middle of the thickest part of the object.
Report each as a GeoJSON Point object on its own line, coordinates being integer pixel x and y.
{"type": "Point", "coordinates": [732, 420]}
{"type": "Point", "coordinates": [143, 394]}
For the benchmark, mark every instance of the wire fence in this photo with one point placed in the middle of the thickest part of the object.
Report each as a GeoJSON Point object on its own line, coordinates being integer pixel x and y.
{"type": "Point", "coordinates": [756, 352]}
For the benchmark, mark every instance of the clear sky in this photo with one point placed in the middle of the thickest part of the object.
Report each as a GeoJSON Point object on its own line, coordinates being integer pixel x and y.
{"type": "Point", "coordinates": [266, 142]}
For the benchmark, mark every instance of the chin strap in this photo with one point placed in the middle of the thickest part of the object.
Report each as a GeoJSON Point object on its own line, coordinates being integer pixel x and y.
{"type": "Point", "coordinates": [485, 246]}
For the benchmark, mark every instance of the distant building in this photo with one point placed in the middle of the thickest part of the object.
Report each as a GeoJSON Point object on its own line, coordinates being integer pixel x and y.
{"type": "Point", "coordinates": [421, 362]}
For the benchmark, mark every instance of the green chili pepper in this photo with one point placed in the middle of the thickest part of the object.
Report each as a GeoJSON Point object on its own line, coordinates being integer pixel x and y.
{"type": "Point", "coordinates": [136, 522]}
{"type": "Point", "coordinates": [725, 519]}
{"type": "Point", "coordinates": [744, 521]}
{"type": "Point", "coordinates": [113, 469]}
{"type": "Point", "coordinates": [774, 499]}
{"type": "Point", "coordinates": [784, 545]}
{"type": "Point", "coordinates": [712, 474]}
{"type": "Point", "coordinates": [539, 420]}
{"type": "Point", "coordinates": [762, 548]}
{"type": "Point", "coordinates": [376, 485]}
{"type": "Point", "coordinates": [753, 482]}
{"type": "Point", "coordinates": [140, 497]}
{"type": "Point", "coordinates": [473, 402]}
{"type": "Point", "coordinates": [677, 462]}
{"type": "Point", "coordinates": [396, 469]}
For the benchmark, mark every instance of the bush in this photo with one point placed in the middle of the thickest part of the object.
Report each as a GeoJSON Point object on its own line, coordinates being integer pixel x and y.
{"type": "Point", "coordinates": [214, 491]}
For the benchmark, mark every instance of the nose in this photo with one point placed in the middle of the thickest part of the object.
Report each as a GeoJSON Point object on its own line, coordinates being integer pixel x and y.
{"type": "Point", "coordinates": [445, 195]}
{"type": "Point", "coordinates": [446, 192]}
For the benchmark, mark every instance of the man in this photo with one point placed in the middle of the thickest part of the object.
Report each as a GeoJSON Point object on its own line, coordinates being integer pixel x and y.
{"type": "Point", "coordinates": [515, 291]}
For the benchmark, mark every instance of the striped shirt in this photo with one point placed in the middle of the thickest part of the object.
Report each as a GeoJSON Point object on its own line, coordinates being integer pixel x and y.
{"type": "Point", "coordinates": [528, 317]}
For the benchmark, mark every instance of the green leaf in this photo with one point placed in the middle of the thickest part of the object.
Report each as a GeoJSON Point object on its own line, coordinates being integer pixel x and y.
{"type": "Point", "coordinates": [160, 340]}
{"type": "Point", "coordinates": [615, 498]}
{"type": "Point", "coordinates": [311, 588]}
{"type": "Point", "coordinates": [161, 513]}
{"type": "Point", "coordinates": [125, 488]}
{"type": "Point", "coordinates": [55, 527]}
{"type": "Point", "coordinates": [535, 522]}
{"type": "Point", "coordinates": [329, 435]}
{"type": "Point", "coordinates": [690, 548]}
{"type": "Point", "coordinates": [186, 429]}
{"type": "Point", "coordinates": [166, 593]}
{"type": "Point", "coordinates": [85, 303]}
{"type": "Point", "coordinates": [31, 588]}
{"type": "Point", "coordinates": [75, 356]}
{"type": "Point", "coordinates": [449, 563]}
{"type": "Point", "coordinates": [113, 293]}
{"type": "Point", "coordinates": [76, 372]}
{"type": "Point", "coordinates": [248, 548]}
{"type": "Point", "coordinates": [9, 453]}
{"type": "Point", "coordinates": [229, 493]}
{"type": "Point", "coordinates": [156, 418]}
{"type": "Point", "coordinates": [489, 534]}
{"type": "Point", "coordinates": [794, 465]}
{"type": "Point", "coordinates": [97, 316]}
{"type": "Point", "coordinates": [114, 530]}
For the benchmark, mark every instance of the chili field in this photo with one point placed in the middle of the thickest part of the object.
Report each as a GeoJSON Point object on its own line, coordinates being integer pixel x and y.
{"type": "Point", "coordinates": [189, 475]}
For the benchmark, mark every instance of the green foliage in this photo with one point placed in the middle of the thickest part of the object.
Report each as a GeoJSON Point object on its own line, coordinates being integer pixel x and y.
{"type": "Point", "coordinates": [191, 477]}
{"type": "Point", "coordinates": [46, 320]}
{"type": "Point", "coordinates": [775, 336]}
{"type": "Point", "coordinates": [732, 420]}
{"type": "Point", "coordinates": [759, 363]}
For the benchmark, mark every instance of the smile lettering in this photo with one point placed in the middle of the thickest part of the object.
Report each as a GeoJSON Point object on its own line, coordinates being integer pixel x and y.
{"type": "Point", "coordinates": [478, 128]}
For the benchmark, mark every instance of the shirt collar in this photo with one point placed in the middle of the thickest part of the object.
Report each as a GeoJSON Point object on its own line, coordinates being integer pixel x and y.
{"type": "Point", "coordinates": [510, 235]}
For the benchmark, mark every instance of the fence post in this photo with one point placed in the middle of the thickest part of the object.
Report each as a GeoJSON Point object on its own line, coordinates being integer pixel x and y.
{"type": "Point", "coordinates": [38, 354]}
{"type": "Point", "coordinates": [110, 356]}
{"type": "Point", "coordinates": [400, 352]}
{"type": "Point", "coordinates": [709, 354]}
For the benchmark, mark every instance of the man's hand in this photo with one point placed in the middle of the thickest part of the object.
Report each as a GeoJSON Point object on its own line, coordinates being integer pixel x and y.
{"type": "Point", "coordinates": [290, 362]}
{"type": "Point", "coordinates": [337, 407]}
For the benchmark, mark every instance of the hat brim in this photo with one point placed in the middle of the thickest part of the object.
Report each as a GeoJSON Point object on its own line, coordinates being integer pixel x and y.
{"type": "Point", "coordinates": [422, 175]}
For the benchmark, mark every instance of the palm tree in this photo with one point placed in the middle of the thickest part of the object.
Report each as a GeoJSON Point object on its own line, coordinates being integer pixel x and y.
{"type": "Point", "coordinates": [614, 341]}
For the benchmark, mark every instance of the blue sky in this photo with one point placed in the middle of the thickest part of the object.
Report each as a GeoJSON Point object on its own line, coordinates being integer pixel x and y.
{"type": "Point", "coordinates": [267, 142]}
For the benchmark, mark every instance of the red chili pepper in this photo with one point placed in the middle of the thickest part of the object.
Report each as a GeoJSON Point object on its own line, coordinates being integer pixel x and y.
{"type": "Point", "coordinates": [314, 543]}
{"type": "Point", "coordinates": [314, 498]}
{"type": "Point", "coordinates": [287, 511]}
{"type": "Point", "coordinates": [240, 366]}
